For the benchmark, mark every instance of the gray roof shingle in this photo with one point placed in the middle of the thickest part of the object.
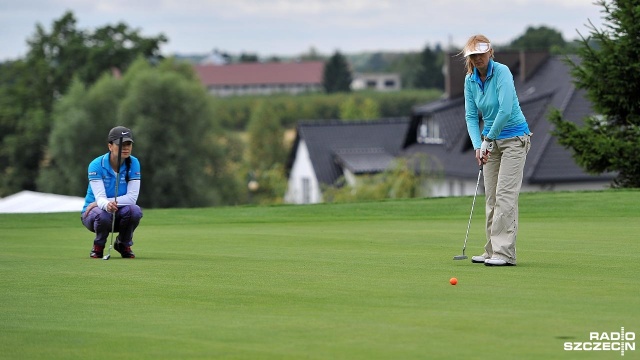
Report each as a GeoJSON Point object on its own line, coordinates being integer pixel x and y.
{"type": "Point", "coordinates": [364, 161]}
{"type": "Point", "coordinates": [354, 144]}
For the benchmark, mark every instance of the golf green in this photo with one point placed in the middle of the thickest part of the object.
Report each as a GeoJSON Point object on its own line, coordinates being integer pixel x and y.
{"type": "Point", "coordinates": [330, 281]}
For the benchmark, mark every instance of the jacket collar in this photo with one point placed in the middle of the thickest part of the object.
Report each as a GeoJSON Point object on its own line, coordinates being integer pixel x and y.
{"type": "Point", "coordinates": [476, 74]}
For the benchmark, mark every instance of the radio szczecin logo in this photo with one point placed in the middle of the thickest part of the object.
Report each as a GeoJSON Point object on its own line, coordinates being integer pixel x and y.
{"type": "Point", "coordinates": [606, 341]}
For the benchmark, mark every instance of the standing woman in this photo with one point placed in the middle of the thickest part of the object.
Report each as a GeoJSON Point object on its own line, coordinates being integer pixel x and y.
{"type": "Point", "coordinates": [501, 146]}
{"type": "Point", "coordinates": [101, 201]}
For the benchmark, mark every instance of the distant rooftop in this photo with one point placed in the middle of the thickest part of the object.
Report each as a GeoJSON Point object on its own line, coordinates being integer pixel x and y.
{"type": "Point", "coordinates": [261, 73]}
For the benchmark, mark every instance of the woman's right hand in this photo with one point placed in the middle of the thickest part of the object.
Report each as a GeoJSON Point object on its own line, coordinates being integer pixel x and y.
{"type": "Point", "coordinates": [112, 207]}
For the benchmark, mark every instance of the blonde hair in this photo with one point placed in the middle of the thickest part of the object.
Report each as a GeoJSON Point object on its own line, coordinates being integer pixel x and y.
{"type": "Point", "coordinates": [471, 44]}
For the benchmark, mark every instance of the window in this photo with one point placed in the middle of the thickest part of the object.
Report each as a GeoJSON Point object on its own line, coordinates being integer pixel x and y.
{"type": "Point", "coordinates": [429, 132]}
{"type": "Point", "coordinates": [306, 191]}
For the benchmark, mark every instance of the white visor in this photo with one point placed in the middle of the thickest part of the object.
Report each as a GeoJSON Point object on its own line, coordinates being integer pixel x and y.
{"type": "Point", "coordinates": [480, 48]}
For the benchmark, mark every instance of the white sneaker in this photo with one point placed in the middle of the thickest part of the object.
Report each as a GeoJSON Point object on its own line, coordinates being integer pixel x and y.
{"type": "Point", "coordinates": [478, 259]}
{"type": "Point", "coordinates": [497, 262]}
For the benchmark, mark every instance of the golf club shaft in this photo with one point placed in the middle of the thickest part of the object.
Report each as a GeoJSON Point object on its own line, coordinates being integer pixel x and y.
{"type": "Point", "coordinates": [115, 198]}
{"type": "Point", "coordinates": [473, 204]}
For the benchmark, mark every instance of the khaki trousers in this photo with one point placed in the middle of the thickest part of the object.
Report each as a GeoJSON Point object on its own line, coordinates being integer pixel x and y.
{"type": "Point", "coordinates": [502, 182]}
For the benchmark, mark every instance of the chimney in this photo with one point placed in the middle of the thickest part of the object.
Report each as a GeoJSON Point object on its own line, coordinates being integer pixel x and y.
{"type": "Point", "coordinates": [454, 73]}
{"type": "Point", "coordinates": [530, 62]}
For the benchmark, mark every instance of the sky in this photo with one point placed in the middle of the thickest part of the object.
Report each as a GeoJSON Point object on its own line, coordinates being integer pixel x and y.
{"type": "Point", "coordinates": [293, 27]}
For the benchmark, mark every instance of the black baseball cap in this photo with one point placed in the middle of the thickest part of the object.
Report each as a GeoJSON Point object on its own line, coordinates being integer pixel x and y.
{"type": "Point", "coordinates": [120, 132]}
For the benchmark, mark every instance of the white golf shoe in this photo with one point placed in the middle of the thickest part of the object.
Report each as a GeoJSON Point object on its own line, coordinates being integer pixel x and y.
{"type": "Point", "coordinates": [478, 259]}
{"type": "Point", "coordinates": [494, 261]}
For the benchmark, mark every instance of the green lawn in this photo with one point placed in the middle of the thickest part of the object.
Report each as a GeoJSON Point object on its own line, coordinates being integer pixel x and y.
{"type": "Point", "coordinates": [342, 281]}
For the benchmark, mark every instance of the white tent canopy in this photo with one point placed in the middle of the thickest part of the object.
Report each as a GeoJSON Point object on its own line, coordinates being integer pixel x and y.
{"type": "Point", "coordinates": [37, 202]}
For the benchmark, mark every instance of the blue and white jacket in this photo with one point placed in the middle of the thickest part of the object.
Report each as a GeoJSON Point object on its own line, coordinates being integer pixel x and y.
{"type": "Point", "coordinates": [497, 101]}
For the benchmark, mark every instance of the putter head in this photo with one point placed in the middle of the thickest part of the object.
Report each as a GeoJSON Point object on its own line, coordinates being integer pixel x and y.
{"type": "Point", "coordinates": [460, 257]}
{"type": "Point", "coordinates": [106, 257]}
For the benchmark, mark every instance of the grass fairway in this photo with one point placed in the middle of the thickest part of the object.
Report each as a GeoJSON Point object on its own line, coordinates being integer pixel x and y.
{"type": "Point", "coordinates": [342, 281]}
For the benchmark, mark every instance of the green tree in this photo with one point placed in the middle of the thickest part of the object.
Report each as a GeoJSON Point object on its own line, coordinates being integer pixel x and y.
{"type": "Point", "coordinates": [359, 108]}
{"type": "Point", "coordinates": [66, 52]}
{"type": "Point", "coordinates": [115, 47]}
{"type": "Point", "coordinates": [610, 74]}
{"type": "Point", "coordinates": [233, 166]}
{"type": "Point", "coordinates": [266, 152]}
{"type": "Point", "coordinates": [182, 153]}
{"type": "Point", "coordinates": [540, 38]}
{"type": "Point", "coordinates": [34, 84]}
{"type": "Point", "coordinates": [176, 139]}
{"type": "Point", "coordinates": [429, 74]}
{"type": "Point", "coordinates": [23, 125]}
{"type": "Point", "coordinates": [377, 62]}
{"type": "Point", "coordinates": [267, 186]}
{"type": "Point", "coordinates": [81, 120]}
{"type": "Point", "coordinates": [265, 137]}
{"type": "Point", "coordinates": [409, 67]}
{"type": "Point", "coordinates": [337, 75]}
{"type": "Point", "coordinates": [248, 58]}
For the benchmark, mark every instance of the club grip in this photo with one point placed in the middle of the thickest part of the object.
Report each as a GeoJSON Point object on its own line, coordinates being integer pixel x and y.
{"type": "Point", "coordinates": [119, 153]}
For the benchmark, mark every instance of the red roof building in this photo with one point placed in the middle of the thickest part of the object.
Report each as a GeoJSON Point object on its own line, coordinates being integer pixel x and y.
{"type": "Point", "coordinates": [261, 78]}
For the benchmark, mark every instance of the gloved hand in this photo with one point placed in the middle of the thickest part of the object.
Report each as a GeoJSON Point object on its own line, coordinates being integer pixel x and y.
{"type": "Point", "coordinates": [486, 147]}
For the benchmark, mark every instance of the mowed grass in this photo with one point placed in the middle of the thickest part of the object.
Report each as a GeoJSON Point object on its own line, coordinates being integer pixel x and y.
{"type": "Point", "coordinates": [342, 281]}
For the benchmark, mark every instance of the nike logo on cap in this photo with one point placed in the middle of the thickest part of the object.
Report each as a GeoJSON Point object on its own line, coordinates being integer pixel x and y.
{"type": "Point", "coordinates": [125, 132]}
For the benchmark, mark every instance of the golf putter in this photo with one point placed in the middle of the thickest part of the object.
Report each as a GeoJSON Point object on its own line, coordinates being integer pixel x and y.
{"type": "Point", "coordinates": [113, 218]}
{"type": "Point", "coordinates": [464, 247]}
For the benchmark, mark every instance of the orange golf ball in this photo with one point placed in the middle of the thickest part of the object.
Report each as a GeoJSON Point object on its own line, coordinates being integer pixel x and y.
{"type": "Point", "coordinates": [453, 281]}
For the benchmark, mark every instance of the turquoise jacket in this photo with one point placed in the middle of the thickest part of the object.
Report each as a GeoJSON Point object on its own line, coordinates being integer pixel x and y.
{"type": "Point", "coordinates": [100, 169]}
{"type": "Point", "coordinates": [497, 101]}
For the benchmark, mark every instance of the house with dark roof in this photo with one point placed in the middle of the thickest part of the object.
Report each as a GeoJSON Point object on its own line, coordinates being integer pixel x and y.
{"type": "Point", "coordinates": [222, 79]}
{"type": "Point", "coordinates": [261, 78]}
{"type": "Point", "coordinates": [324, 152]}
{"type": "Point", "coordinates": [438, 130]}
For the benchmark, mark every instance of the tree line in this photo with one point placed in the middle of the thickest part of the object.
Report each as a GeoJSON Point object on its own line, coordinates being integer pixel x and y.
{"type": "Point", "coordinates": [57, 104]}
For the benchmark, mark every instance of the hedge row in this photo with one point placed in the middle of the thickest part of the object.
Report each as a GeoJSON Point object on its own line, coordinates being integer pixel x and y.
{"type": "Point", "coordinates": [234, 112]}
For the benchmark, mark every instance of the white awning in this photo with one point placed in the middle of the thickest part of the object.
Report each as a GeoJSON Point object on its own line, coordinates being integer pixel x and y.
{"type": "Point", "coordinates": [37, 202]}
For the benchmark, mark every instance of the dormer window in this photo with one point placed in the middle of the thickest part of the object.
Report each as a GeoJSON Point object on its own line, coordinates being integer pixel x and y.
{"type": "Point", "coordinates": [429, 132]}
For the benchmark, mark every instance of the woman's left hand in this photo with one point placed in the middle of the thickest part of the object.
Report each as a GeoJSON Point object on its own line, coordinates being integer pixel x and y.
{"type": "Point", "coordinates": [482, 159]}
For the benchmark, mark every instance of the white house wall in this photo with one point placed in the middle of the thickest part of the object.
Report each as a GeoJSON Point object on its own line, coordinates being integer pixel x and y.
{"type": "Point", "coordinates": [258, 89]}
{"type": "Point", "coordinates": [378, 82]}
{"type": "Point", "coordinates": [582, 186]}
{"type": "Point", "coordinates": [454, 187]}
{"type": "Point", "coordinates": [302, 169]}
